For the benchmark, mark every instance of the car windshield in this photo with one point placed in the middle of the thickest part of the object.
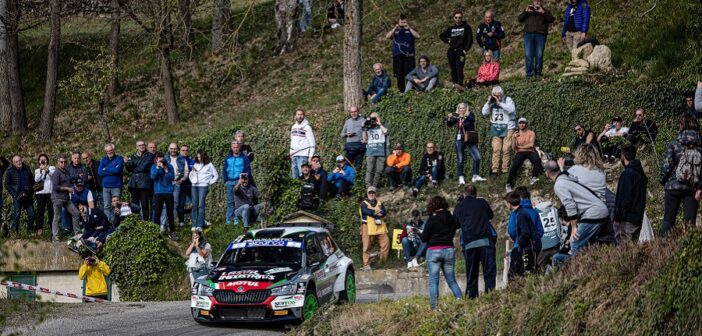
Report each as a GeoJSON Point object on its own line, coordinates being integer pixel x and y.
{"type": "Point", "coordinates": [263, 252]}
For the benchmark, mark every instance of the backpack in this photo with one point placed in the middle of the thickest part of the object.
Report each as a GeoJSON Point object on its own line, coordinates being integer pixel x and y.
{"type": "Point", "coordinates": [689, 167]}
{"type": "Point", "coordinates": [308, 197]}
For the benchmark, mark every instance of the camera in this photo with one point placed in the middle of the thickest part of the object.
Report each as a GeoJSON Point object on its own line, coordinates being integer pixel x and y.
{"type": "Point", "coordinates": [244, 176]}
{"type": "Point", "coordinates": [164, 162]}
{"type": "Point", "coordinates": [91, 261]}
{"type": "Point", "coordinates": [493, 100]}
{"type": "Point", "coordinates": [534, 8]}
{"type": "Point", "coordinates": [370, 123]}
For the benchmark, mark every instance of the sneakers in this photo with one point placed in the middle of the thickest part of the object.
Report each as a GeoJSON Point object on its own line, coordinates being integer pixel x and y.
{"type": "Point", "coordinates": [236, 220]}
{"type": "Point", "coordinates": [434, 184]}
{"type": "Point", "coordinates": [409, 265]}
{"type": "Point", "coordinates": [172, 236]}
{"type": "Point", "coordinates": [392, 188]}
{"type": "Point", "coordinates": [508, 188]}
{"type": "Point", "coordinates": [414, 262]}
{"type": "Point", "coordinates": [366, 268]}
{"type": "Point", "coordinates": [478, 178]}
{"type": "Point", "coordinates": [163, 229]}
{"type": "Point", "coordinates": [415, 191]}
{"type": "Point", "coordinates": [533, 180]}
{"type": "Point", "coordinates": [461, 180]}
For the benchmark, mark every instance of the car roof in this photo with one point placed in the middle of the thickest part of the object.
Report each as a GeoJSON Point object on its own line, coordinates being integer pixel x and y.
{"type": "Point", "coordinates": [286, 231]}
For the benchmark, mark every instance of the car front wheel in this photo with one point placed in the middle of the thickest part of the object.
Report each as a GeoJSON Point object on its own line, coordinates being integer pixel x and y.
{"type": "Point", "coordinates": [349, 293]}
{"type": "Point", "coordinates": [310, 305]}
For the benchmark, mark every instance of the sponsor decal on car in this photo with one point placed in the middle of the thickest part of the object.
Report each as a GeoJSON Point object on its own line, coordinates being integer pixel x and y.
{"type": "Point", "coordinates": [325, 291]}
{"type": "Point", "coordinates": [200, 302]}
{"type": "Point", "coordinates": [245, 274]}
{"type": "Point", "coordinates": [278, 270]}
{"type": "Point", "coordinates": [242, 286]}
{"type": "Point", "coordinates": [284, 302]}
{"type": "Point", "coordinates": [301, 288]}
{"type": "Point", "coordinates": [276, 242]}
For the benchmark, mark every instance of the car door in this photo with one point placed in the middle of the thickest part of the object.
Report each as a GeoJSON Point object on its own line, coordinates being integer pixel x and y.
{"type": "Point", "coordinates": [332, 267]}
{"type": "Point", "coordinates": [315, 264]}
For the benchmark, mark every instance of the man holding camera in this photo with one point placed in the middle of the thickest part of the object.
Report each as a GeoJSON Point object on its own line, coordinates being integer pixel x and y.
{"type": "Point", "coordinates": [342, 178]}
{"type": "Point", "coordinates": [354, 146]}
{"type": "Point", "coordinates": [403, 37]}
{"type": "Point", "coordinates": [376, 137]}
{"type": "Point", "coordinates": [163, 175]}
{"type": "Point", "coordinates": [503, 117]}
{"type": "Point", "coordinates": [61, 196]}
{"type": "Point", "coordinates": [94, 271]}
{"type": "Point", "coordinates": [536, 20]}
{"type": "Point", "coordinates": [246, 198]}
{"type": "Point", "coordinates": [18, 183]}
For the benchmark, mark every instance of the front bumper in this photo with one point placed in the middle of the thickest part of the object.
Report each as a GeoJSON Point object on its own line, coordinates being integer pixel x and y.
{"type": "Point", "coordinates": [207, 309]}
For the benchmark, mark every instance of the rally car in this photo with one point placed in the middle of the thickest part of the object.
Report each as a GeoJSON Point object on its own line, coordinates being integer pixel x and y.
{"type": "Point", "coordinates": [274, 274]}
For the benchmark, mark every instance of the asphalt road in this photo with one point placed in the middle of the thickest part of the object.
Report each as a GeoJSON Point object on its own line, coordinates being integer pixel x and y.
{"type": "Point", "coordinates": [149, 318]}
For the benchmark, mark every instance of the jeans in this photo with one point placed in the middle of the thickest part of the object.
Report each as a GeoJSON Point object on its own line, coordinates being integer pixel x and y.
{"type": "Point", "coordinates": [107, 194]}
{"type": "Point", "coordinates": [143, 198]}
{"type": "Point", "coordinates": [306, 16]}
{"type": "Point", "coordinates": [43, 207]}
{"type": "Point", "coordinates": [178, 203]}
{"type": "Point", "coordinates": [159, 201]}
{"type": "Point", "coordinates": [246, 212]}
{"type": "Point", "coordinates": [587, 234]}
{"type": "Point", "coordinates": [534, 44]}
{"type": "Point", "coordinates": [297, 162]}
{"type": "Point", "coordinates": [374, 170]}
{"type": "Point", "coordinates": [183, 198]}
{"type": "Point", "coordinates": [198, 212]}
{"type": "Point", "coordinates": [378, 94]}
{"type": "Point", "coordinates": [401, 66]}
{"type": "Point", "coordinates": [408, 248]}
{"type": "Point", "coordinates": [17, 207]}
{"type": "Point", "coordinates": [437, 260]}
{"type": "Point", "coordinates": [424, 87]}
{"type": "Point", "coordinates": [404, 177]}
{"type": "Point", "coordinates": [671, 206]}
{"type": "Point", "coordinates": [518, 161]}
{"type": "Point", "coordinates": [229, 187]}
{"type": "Point", "coordinates": [456, 60]}
{"type": "Point", "coordinates": [420, 180]}
{"type": "Point", "coordinates": [460, 158]}
{"type": "Point", "coordinates": [341, 190]}
{"type": "Point", "coordinates": [58, 205]}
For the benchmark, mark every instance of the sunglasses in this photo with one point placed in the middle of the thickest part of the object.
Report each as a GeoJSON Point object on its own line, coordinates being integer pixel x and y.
{"type": "Point", "coordinates": [457, 17]}
{"type": "Point", "coordinates": [64, 161]}
{"type": "Point", "coordinates": [639, 115]}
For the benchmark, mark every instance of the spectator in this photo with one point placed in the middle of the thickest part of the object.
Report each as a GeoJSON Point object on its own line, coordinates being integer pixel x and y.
{"type": "Point", "coordinates": [94, 271]}
{"type": "Point", "coordinates": [438, 234]}
{"type": "Point", "coordinates": [184, 151]}
{"type": "Point", "coordinates": [403, 37]}
{"type": "Point", "coordinates": [642, 130]}
{"type": "Point", "coordinates": [302, 142]}
{"type": "Point", "coordinates": [399, 169]}
{"type": "Point", "coordinates": [94, 182]}
{"type": "Point", "coordinates": [524, 146]}
{"type": "Point", "coordinates": [202, 176]}
{"type": "Point", "coordinates": [422, 78]}
{"type": "Point", "coordinates": [372, 213]}
{"type": "Point", "coordinates": [586, 212]}
{"type": "Point", "coordinates": [503, 115]}
{"type": "Point", "coordinates": [576, 22]}
{"type": "Point", "coordinates": [379, 84]}
{"type": "Point", "coordinates": [459, 38]}
{"type": "Point", "coordinates": [82, 195]}
{"type": "Point", "coordinates": [341, 179]}
{"type": "Point", "coordinates": [121, 210]}
{"type": "Point", "coordinates": [466, 138]}
{"type": "Point", "coordinates": [306, 16]}
{"type": "Point", "coordinates": [335, 14]}
{"type": "Point", "coordinates": [61, 197]}
{"type": "Point", "coordinates": [96, 226]}
{"type": "Point", "coordinates": [140, 185]}
{"type": "Point", "coordinates": [411, 240]}
{"type": "Point", "coordinates": [529, 241]}
{"type": "Point", "coordinates": [4, 164]}
{"type": "Point", "coordinates": [630, 205]}
{"type": "Point", "coordinates": [163, 175]}
{"type": "Point", "coordinates": [43, 175]}
{"type": "Point", "coordinates": [320, 175]}
{"type": "Point", "coordinates": [608, 138]}
{"type": "Point", "coordinates": [588, 170]}
{"type": "Point", "coordinates": [536, 19]}
{"type": "Point", "coordinates": [18, 183]}
{"type": "Point", "coordinates": [186, 186]}
{"type": "Point", "coordinates": [199, 256]}
{"type": "Point", "coordinates": [352, 133]}
{"type": "Point", "coordinates": [245, 148]}
{"type": "Point", "coordinates": [110, 170]}
{"type": "Point", "coordinates": [525, 203]}
{"type": "Point", "coordinates": [431, 169]}
{"type": "Point", "coordinates": [584, 136]}
{"type": "Point", "coordinates": [552, 233]}
{"type": "Point", "coordinates": [76, 169]}
{"type": "Point", "coordinates": [309, 192]}
{"type": "Point", "coordinates": [151, 148]}
{"type": "Point", "coordinates": [489, 71]}
{"type": "Point", "coordinates": [698, 98]}
{"type": "Point", "coordinates": [690, 104]}
{"type": "Point", "coordinates": [180, 175]}
{"type": "Point", "coordinates": [474, 215]}
{"type": "Point", "coordinates": [679, 175]}
{"type": "Point", "coordinates": [246, 200]}
{"type": "Point", "coordinates": [490, 34]}
{"type": "Point", "coordinates": [235, 164]}
{"type": "Point", "coordinates": [376, 136]}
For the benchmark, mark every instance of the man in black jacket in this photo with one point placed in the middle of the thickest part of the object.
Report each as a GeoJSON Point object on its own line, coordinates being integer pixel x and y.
{"type": "Point", "coordinates": [431, 169]}
{"type": "Point", "coordinates": [630, 204]}
{"type": "Point", "coordinates": [62, 188]}
{"type": "Point", "coordinates": [459, 38]}
{"type": "Point", "coordinates": [18, 183]}
{"type": "Point", "coordinates": [140, 184]}
{"type": "Point", "coordinates": [474, 215]}
{"type": "Point", "coordinates": [642, 130]}
{"type": "Point", "coordinates": [490, 34]}
{"type": "Point", "coordinates": [536, 20]}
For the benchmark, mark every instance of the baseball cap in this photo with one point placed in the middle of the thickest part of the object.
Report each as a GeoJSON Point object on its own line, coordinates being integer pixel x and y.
{"type": "Point", "coordinates": [305, 164]}
{"type": "Point", "coordinates": [80, 182]}
{"type": "Point", "coordinates": [618, 119]}
{"type": "Point", "coordinates": [522, 119]}
{"type": "Point", "coordinates": [371, 189]}
{"type": "Point", "coordinates": [339, 158]}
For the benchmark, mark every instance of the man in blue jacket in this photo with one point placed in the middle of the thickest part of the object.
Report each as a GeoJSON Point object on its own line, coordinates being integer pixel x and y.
{"type": "Point", "coordinates": [529, 241]}
{"type": "Point", "coordinates": [341, 179]}
{"type": "Point", "coordinates": [525, 203]}
{"type": "Point", "coordinates": [576, 22]}
{"type": "Point", "coordinates": [490, 34]}
{"type": "Point", "coordinates": [110, 171]}
{"type": "Point", "coordinates": [234, 165]}
{"type": "Point", "coordinates": [163, 175]}
{"type": "Point", "coordinates": [379, 84]}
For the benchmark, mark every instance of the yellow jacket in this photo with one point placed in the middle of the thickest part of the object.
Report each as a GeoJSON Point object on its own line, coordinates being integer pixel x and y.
{"type": "Point", "coordinates": [96, 283]}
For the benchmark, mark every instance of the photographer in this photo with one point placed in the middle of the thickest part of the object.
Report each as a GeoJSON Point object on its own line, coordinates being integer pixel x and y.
{"type": "Point", "coordinates": [341, 179]}
{"type": "Point", "coordinates": [199, 256]}
{"type": "Point", "coordinates": [376, 137]}
{"type": "Point", "coordinates": [309, 192]}
{"type": "Point", "coordinates": [18, 183]}
{"type": "Point", "coordinates": [246, 201]}
{"type": "Point", "coordinates": [536, 20]}
{"type": "Point", "coordinates": [162, 174]}
{"type": "Point", "coordinates": [96, 226]}
{"type": "Point", "coordinates": [94, 272]}
{"type": "Point", "coordinates": [503, 117]}
{"type": "Point", "coordinates": [354, 146]}
{"type": "Point", "coordinates": [403, 37]}
{"type": "Point", "coordinates": [411, 239]}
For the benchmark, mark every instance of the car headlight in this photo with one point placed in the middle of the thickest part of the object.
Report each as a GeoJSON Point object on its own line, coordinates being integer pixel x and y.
{"type": "Point", "coordinates": [204, 290]}
{"type": "Point", "coordinates": [283, 290]}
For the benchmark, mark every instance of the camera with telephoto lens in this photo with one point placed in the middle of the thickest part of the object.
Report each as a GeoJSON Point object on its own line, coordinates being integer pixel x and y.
{"type": "Point", "coordinates": [370, 123]}
{"type": "Point", "coordinates": [493, 100]}
{"type": "Point", "coordinates": [91, 261]}
{"type": "Point", "coordinates": [534, 8]}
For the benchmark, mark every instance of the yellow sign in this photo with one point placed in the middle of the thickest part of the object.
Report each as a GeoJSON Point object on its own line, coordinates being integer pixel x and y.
{"type": "Point", "coordinates": [396, 243]}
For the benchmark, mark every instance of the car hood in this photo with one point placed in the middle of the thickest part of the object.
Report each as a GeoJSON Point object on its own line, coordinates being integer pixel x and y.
{"type": "Point", "coordinates": [249, 278]}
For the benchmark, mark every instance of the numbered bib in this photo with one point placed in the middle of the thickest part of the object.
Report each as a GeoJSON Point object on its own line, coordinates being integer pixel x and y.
{"type": "Point", "coordinates": [376, 142]}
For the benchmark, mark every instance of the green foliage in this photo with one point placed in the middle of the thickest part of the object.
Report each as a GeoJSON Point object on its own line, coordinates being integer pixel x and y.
{"type": "Point", "coordinates": [142, 263]}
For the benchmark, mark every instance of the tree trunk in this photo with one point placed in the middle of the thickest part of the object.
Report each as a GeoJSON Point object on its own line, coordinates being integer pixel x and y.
{"type": "Point", "coordinates": [167, 82]}
{"type": "Point", "coordinates": [186, 28]}
{"type": "Point", "coordinates": [5, 103]}
{"type": "Point", "coordinates": [103, 121]}
{"type": "Point", "coordinates": [19, 115]}
{"type": "Point", "coordinates": [353, 89]}
{"type": "Point", "coordinates": [47, 114]}
{"type": "Point", "coordinates": [286, 24]}
{"type": "Point", "coordinates": [114, 47]}
{"type": "Point", "coordinates": [221, 22]}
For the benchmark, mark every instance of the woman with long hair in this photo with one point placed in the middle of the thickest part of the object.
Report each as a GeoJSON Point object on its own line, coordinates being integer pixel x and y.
{"type": "Point", "coordinates": [199, 256]}
{"type": "Point", "coordinates": [202, 176]}
{"type": "Point", "coordinates": [466, 138]}
{"type": "Point", "coordinates": [438, 234]}
{"type": "Point", "coordinates": [588, 169]}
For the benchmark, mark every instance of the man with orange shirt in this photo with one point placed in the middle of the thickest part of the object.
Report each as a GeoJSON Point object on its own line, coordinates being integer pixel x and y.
{"type": "Point", "coordinates": [524, 146]}
{"type": "Point", "coordinates": [398, 168]}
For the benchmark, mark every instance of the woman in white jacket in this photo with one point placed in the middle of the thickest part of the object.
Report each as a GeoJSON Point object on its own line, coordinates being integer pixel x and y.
{"type": "Point", "coordinates": [202, 175]}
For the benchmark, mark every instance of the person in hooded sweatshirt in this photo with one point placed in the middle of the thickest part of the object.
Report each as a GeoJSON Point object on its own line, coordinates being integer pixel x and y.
{"type": "Point", "coordinates": [459, 37]}
{"type": "Point", "coordinates": [525, 203]}
{"type": "Point", "coordinates": [302, 142]}
{"type": "Point", "coordinates": [630, 204]}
